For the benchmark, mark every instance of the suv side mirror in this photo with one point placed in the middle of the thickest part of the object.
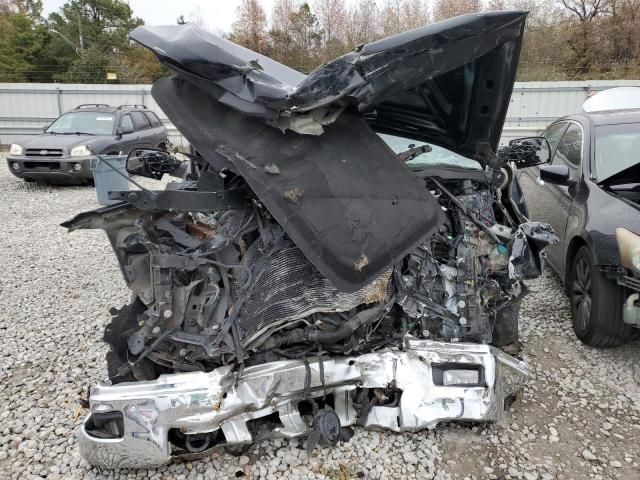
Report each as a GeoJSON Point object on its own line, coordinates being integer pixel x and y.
{"type": "Point", "coordinates": [126, 129]}
{"type": "Point", "coordinates": [557, 175]}
{"type": "Point", "coordinates": [152, 163]}
{"type": "Point", "coordinates": [527, 152]}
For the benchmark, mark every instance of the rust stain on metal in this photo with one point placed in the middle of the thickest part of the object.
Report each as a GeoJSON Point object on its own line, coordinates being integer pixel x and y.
{"type": "Point", "coordinates": [380, 291]}
{"type": "Point", "coordinates": [200, 230]}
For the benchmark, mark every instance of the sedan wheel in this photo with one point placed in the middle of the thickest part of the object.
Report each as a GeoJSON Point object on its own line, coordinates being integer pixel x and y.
{"type": "Point", "coordinates": [581, 297]}
{"type": "Point", "coordinates": [596, 304]}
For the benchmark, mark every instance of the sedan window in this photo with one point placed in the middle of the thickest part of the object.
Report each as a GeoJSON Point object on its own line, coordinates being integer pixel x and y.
{"type": "Point", "coordinates": [617, 148]}
{"type": "Point", "coordinates": [554, 134]}
{"type": "Point", "coordinates": [569, 150]}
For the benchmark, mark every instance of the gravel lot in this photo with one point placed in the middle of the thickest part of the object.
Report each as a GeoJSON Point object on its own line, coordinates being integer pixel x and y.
{"type": "Point", "coordinates": [579, 416]}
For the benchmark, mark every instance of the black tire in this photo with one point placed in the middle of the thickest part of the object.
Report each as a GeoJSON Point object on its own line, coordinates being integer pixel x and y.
{"type": "Point", "coordinates": [596, 304]}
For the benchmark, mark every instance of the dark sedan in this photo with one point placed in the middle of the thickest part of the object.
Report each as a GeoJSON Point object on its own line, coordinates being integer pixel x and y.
{"type": "Point", "coordinates": [590, 193]}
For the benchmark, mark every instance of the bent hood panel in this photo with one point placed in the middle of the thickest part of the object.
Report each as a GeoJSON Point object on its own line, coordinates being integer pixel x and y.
{"type": "Point", "coordinates": [448, 83]}
{"type": "Point", "coordinates": [343, 197]}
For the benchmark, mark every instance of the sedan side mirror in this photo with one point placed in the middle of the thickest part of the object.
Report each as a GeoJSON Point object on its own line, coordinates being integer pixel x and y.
{"type": "Point", "coordinates": [557, 175]}
{"type": "Point", "coordinates": [152, 163]}
{"type": "Point", "coordinates": [45, 127]}
{"type": "Point", "coordinates": [527, 152]}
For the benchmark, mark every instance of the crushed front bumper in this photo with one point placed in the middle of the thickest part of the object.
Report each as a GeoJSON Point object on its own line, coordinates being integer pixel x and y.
{"type": "Point", "coordinates": [199, 402]}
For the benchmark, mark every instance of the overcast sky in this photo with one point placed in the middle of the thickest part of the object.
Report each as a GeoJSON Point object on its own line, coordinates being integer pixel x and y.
{"type": "Point", "coordinates": [217, 14]}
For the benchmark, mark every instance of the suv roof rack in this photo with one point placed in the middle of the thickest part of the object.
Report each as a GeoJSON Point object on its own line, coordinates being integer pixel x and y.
{"type": "Point", "coordinates": [135, 105]}
{"type": "Point", "coordinates": [88, 105]}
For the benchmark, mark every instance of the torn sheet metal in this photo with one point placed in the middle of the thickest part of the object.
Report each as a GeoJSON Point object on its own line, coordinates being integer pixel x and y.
{"type": "Point", "coordinates": [447, 83]}
{"type": "Point", "coordinates": [198, 403]}
{"type": "Point", "coordinates": [343, 197]}
{"type": "Point", "coordinates": [527, 249]}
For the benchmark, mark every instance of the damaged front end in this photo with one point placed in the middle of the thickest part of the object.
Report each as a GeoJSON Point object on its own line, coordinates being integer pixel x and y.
{"type": "Point", "coordinates": [303, 280]}
{"type": "Point", "coordinates": [194, 414]}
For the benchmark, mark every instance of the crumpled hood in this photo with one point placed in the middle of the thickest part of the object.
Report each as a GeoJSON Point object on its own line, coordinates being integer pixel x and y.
{"type": "Point", "coordinates": [448, 83]}
{"type": "Point", "coordinates": [343, 197]}
{"type": "Point", "coordinates": [307, 145]}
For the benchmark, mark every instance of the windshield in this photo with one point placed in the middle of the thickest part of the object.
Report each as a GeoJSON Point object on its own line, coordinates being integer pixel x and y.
{"type": "Point", "coordinates": [617, 148]}
{"type": "Point", "coordinates": [94, 123]}
{"type": "Point", "coordinates": [438, 156]}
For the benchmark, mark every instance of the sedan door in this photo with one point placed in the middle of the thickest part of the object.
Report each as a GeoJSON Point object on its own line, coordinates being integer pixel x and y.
{"type": "Point", "coordinates": [552, 203]}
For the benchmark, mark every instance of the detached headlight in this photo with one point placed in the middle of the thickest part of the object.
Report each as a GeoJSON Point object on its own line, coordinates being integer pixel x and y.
{"type": "Point", "coordinates": [629, 247]}
{"type": "Point", "coordinates": [81, 151]}
{"type": "Point", "coordinates": [15, 149]}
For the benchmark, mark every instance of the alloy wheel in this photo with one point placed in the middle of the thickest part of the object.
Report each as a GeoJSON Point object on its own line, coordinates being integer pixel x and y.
{"type": "Point", "coordinates": [581, 297]}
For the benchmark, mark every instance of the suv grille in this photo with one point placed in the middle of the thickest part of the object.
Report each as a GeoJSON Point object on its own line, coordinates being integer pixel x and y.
{"type": "Point", "coordinates": [43, 152]}
{"type": "Point", "coordinates": [42, 165]}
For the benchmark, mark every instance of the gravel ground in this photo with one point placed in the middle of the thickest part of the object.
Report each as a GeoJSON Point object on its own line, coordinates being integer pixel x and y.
{"type": "Point", "coordinates": [579, 416]}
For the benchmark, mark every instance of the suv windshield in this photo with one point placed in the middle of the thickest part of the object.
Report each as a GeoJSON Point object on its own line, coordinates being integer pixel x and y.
{"type": "Point", "coordinates": [438, 156]}
{"type": "Point", "coordinates": [617, 148]}
{"type": "Point", "coordinates": [94, 123]}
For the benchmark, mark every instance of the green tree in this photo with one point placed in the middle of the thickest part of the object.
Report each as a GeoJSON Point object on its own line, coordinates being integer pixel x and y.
{"type": "Point", "coordinates": [306, 38]}
{"type": "Point", "coordinates": [250, 26]}
{"type": "Point", "coordinates": [22, 41]}
{"type": "Point", "coordinates": [88, 35]}
{"type": "Point", "coordinates": [137, 65]}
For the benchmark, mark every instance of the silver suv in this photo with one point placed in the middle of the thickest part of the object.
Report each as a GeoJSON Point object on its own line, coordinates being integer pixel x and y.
{"type": "Point", "coordinates": [62, 153]}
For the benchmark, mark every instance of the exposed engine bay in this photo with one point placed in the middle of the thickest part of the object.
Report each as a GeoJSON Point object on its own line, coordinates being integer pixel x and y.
{"type": "Point", "coordinates": [232, 288]}
{"type": "Point", "coordinates": [302, 283]}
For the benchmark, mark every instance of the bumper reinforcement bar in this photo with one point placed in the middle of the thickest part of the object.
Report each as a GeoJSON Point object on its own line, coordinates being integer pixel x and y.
{"type": "Point", "coordinates": [203, 402]}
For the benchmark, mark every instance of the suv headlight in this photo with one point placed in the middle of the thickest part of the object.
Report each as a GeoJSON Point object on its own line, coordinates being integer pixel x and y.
{"type": "Point", "coordinates": [629, 247]}
{"type": "Point", "coordinates": [15, 149]}
{"type": "Point", "coordinates": [80, 151]}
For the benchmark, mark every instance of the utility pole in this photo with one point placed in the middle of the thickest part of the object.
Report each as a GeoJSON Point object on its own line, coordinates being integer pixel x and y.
{"type": "Point", "coordinates": [80, 27]}
{"type": "Point", "coordinates": [80, 34]}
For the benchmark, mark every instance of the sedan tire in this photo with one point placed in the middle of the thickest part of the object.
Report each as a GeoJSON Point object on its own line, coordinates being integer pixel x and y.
{"type": "Point", "coordinates": [596, 304]}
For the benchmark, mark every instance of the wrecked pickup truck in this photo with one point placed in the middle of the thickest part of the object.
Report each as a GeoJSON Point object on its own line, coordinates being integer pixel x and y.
{"type": "Point", "coordinates": [343, 251]}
